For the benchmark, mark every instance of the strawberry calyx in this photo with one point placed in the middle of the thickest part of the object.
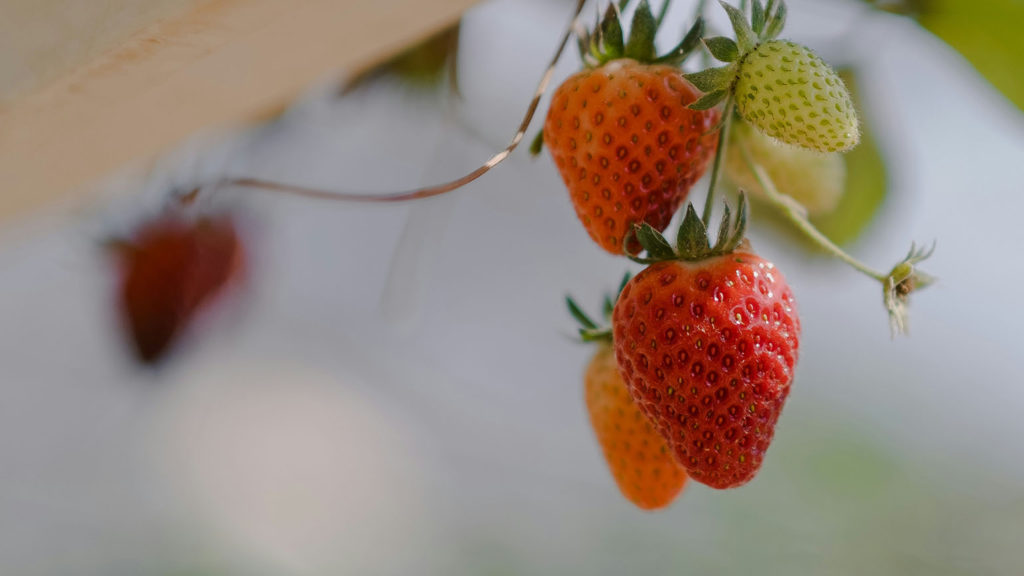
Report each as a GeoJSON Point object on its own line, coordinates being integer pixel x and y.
{"type": "Point", "coordinates": [902, 280]}
{"type": "Point", "coordinates": [766, 23]}
{"type": "Point", "coordinates": [607, 42]}
{"type": "Point", "coordinates": [692, 240]}
{"type": "Point", "coordinates": [589, 330]}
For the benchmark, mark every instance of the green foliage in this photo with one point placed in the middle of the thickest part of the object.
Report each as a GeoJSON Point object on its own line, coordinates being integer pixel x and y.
{"type": "Point", "coordinates": [987, 33]}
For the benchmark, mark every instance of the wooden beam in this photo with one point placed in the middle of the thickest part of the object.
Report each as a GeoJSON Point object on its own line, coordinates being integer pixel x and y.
{"type": "Point", "coordinates": [214, 63]}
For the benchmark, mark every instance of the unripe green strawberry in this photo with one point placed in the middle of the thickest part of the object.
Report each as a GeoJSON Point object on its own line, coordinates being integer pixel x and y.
{"type": "Point", "coordinates": [813, 179]}
{"type": "Point", "coordinates": [787, 92]}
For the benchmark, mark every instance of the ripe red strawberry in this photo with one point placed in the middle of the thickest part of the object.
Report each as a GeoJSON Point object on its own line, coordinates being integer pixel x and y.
{"type": "Point", "coordinates": [707, 340]}
{"type": "Point", "coordinates": [170, 269]}
{"type": "Point", "coordinates": [621, 135]}
{"type": "Point", "coordinates": [638, 457]}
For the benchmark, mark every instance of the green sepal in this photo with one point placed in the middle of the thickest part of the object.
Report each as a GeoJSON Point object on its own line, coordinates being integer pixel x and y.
{"type": "Point", "coordinates": [596, 335]}
{"type": "Point", "coordinates": [776, 22]}
{"type": "Point", "coordinates": [745, 37]}
{"type": "Point", "coordinates": [537, 144]}
{"type": "Point", "coordinates": [902, 280]}
{"type": "Point", "coordinates": [690, 41]}
{"type": "Point", "coordinates": [612, 43]}
{"type": "Point", "coordinates": [640, 45]}
{"type": "Point", "coordinates": [692, 238]}
{"type": "Point", "coordinates": [589, 330]}
{"type": "Point", "coordinates": [723, 230]}
{"type": "Point", "coordinates": [713, 79]}
{"type": "Point", "coordinates": [709, 100]}
{"type": "Point", "coordinates": [757, 19]}
{"type": "Point", "coordinates": [692, 243]}
{"type": "Point", "coordinates": [579, 314]}
{"type": "Point", "coordinates": [723, 48]}
{"type": "Point", "coordinates": [740, 226]}
{"type": "Point", "coordinates": [654, 243]}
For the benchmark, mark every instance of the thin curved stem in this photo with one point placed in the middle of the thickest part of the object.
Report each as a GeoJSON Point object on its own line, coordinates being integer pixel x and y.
{"type": "Point", "coordinates": [716, 168]}
{"type": "Point", "coordinates": [797, 216]}
{"type": "Point", "coordinates": [428, 191]}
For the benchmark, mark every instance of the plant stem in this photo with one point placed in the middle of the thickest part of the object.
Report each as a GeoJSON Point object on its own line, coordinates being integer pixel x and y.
{"type": "Point", "coordinates": [716, 168]}
{"type": "Point", "coordinates": [797, 215]}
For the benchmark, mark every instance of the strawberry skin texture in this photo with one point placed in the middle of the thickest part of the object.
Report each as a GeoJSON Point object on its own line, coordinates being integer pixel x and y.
{"type": "Point", "coordinates": [171, 269]}
{"type": "Point", "coordinates": [789, 93]}
{"type": "Point", "coordinates": [627, 147]}
{"type": "Point", "coordinates": [708, 350]}
{"type": "Point", "coordinates": [639, 459]}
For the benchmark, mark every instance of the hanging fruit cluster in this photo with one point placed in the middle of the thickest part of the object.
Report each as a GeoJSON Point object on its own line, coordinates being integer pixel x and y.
{"type": "Point", "coordinates": [698, 351]}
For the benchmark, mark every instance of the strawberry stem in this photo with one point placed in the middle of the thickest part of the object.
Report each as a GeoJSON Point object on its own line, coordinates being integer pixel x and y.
{"type": "Point", "coordinates": [897, 284]}
{"type": "Point", "coordinates": [716, 168]}
{"type": "Point", "coordinates": [797, 215]}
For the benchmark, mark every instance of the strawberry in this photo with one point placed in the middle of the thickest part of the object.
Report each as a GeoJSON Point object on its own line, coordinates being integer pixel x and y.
{"type": "Point", "coordinates": [780, 87]}
{"type": "Point", "coordinates": [171, 268]}
{"type": "Point", "coordinates": [638, 457]}
{"type": "Point", "coordinates": [707, 339]}
{"type": "Point", "coordinates": [789, 93]}
{"type": "Point", "coordinates": [813, 179]}
{"type": "Point", "coordinates": [620, 132]}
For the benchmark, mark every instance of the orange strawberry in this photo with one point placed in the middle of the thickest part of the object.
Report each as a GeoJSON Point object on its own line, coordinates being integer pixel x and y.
{"type": "Point", "coordinates": [622, 135]}
{"type": "Point", "coordinates": [639, 458]}
{"type": "Point", "coordinates": [637, 455]}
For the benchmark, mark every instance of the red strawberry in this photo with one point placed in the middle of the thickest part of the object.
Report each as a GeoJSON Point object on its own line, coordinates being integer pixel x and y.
{"type": "Point", "coordinates": [621, 135]}
{"type": "Point", "coordinates": [171, 269]}
{"type": "Point", "coordinates": [707, 341]}
{"type": "Point", "coordinates": [638, 457]}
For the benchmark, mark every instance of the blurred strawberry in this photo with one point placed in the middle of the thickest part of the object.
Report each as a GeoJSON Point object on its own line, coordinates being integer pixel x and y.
{"type": "Point", "coordinates": [170, 269]}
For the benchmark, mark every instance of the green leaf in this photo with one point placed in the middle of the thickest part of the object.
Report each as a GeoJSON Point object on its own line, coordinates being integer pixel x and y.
{"type": "Point", "coordinates": [866, 182]}
{"type": "Point", "coordinates": [640, 45]}
{"type": "Point", "coordinates": [744, 34]}
{"type": "Point", "coordinates": [723, 230]}
{"type": "Point", "coordinates": [988, 34]}
{"type": "Point", "coordinates": [709, 100]}
{"type": "Point", "coordinates": [757, 18]}
{"type": "Point", "coordinates": [655, 244]}
{"type": "Point", "coordinates": [713, 79]}
{"type": "Point", "coordinates": [723, 48]}
{"type": "Point", "coordinates": [740, 229]}
{"type": "Point", "coordinates": [579, 314]}
{"type": "Point", "coordinates": [611, 34]}
{"type": "Point", "coordinates": [776, 22]}
{"type": "Point", "coordinates": [692, 240]}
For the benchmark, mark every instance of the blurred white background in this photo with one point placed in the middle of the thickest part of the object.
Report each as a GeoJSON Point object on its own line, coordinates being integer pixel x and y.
{"type": "Point", "coordinates": [388, 404]}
